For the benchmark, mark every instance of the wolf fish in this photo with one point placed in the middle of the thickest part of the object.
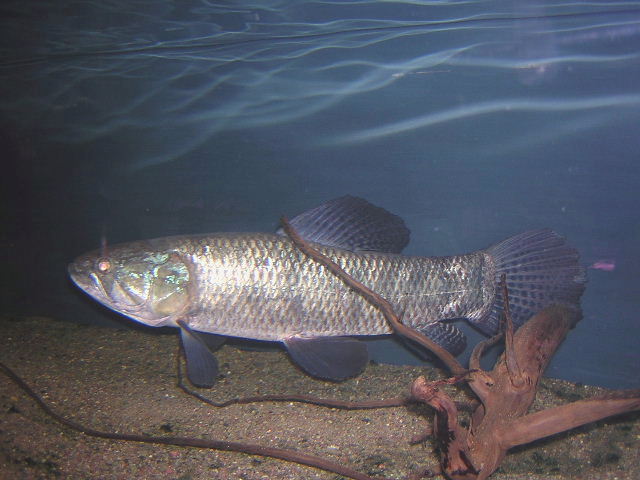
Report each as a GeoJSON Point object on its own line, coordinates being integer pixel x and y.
{"type": "Point", "coordinates": [260, 286]}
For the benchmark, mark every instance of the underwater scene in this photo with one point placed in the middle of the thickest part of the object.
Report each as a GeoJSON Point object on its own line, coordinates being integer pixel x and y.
{"type": "Point", "coordinates": [388, 217]}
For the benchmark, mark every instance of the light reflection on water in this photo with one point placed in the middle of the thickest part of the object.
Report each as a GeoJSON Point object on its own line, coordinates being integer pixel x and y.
{"type": "Point", "coordinates": [180, 77]}
{"type": "Point", "coordinates": [504, 106]}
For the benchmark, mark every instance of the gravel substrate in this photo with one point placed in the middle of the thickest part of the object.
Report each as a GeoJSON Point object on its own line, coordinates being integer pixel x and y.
{"type": "Point", "coordinates": [124, 381]}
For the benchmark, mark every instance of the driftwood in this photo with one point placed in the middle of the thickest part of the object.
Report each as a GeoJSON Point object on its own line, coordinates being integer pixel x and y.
{"type": "Point", "coordinates": [500, 420]}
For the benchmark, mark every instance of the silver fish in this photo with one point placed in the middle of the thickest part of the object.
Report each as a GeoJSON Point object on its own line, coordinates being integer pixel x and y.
{"type": "Point", "coordinates": [260, 286]}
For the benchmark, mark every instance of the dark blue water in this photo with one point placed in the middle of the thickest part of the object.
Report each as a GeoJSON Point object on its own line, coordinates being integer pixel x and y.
{"type": "Point", "coordinates": [472, 120]}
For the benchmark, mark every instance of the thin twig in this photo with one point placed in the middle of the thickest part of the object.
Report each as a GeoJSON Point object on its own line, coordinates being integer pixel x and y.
{"type": "Point", "coordinates": [322, 402]}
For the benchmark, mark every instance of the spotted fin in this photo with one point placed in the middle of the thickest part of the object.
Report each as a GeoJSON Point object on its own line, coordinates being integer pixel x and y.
{"type": "Point", "coordinates": [353, 224]}
{"type": "Point", "coordinates": [541, 270]}
{"type": "Point", "coordinates": [330, 358]}
{"type": "Point", "coordinates": [202, 366]}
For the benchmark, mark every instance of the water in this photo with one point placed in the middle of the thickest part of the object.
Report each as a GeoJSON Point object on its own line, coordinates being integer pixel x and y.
{"type": "Point", "coordinates": [472, 120]}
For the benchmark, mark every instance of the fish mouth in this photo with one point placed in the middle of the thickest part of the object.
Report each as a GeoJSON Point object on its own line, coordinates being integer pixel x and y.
{"type": "Point", "coordinates": [86, 281]}
{"type": "Point", "coordinates": [89, 282]}
{"type": "Point", "coordinates": [77, 276]}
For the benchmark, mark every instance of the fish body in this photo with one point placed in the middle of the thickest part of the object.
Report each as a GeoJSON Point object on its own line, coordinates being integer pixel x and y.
{"type": "Point", "coordinates": [260, 286]}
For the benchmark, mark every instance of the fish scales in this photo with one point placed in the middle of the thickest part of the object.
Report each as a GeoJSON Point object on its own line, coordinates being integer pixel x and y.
{"type": "Point", "coordinates": [261, 286]}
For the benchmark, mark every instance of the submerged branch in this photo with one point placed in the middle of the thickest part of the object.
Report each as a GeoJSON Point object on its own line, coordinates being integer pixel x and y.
{"type": "Point", "coordinates": [510, 357]}
{"type": "Point", "coordinates": [565, 417]}
{"type": "Point", "coordinates": [310, 399]}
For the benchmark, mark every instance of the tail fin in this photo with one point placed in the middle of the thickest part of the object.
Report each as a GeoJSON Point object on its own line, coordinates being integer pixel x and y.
{"type": "Point", "coordinates": [541, 270]}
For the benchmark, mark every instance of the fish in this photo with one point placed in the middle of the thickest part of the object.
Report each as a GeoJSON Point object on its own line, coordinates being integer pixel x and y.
{"type": "Point", "coordinates": [259, 286]}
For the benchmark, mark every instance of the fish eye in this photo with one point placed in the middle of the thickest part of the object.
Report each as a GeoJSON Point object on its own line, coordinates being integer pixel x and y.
{"type": "Point", "coordinates": [103, 265]}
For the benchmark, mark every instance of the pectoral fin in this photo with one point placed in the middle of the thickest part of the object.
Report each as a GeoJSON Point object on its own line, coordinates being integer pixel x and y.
{"type": "Point", "coordinates": [202, 366]}
{"type": "Point", "coordinates": [330, 358]}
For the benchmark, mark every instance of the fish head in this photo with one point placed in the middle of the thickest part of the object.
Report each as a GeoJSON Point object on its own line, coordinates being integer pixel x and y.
{"type": "Point", "coordinates": [148, 285]}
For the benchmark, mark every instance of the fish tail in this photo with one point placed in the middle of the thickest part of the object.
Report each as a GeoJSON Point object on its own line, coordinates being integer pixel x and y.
{"type": "Point", "coordinates": [541, 270]}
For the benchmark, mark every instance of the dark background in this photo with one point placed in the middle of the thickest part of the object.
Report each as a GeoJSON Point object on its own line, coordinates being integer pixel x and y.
{"type": "Point", "coordinates": [471, 121]}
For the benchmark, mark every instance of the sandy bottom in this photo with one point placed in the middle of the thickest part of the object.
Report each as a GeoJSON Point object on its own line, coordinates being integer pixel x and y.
{"type": "Point", "coordinates": [124, 381]}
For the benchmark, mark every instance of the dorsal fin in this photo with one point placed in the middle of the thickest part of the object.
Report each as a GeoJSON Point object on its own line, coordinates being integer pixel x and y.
{"type": "Point", "coordinates": [353, 224]}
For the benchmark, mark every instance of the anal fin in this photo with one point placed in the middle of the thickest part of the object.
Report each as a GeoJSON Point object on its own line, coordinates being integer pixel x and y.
{"type": "Point", "coordinates": [446, 335]}
{"type": "Point", "coordinates": [329, 358]}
